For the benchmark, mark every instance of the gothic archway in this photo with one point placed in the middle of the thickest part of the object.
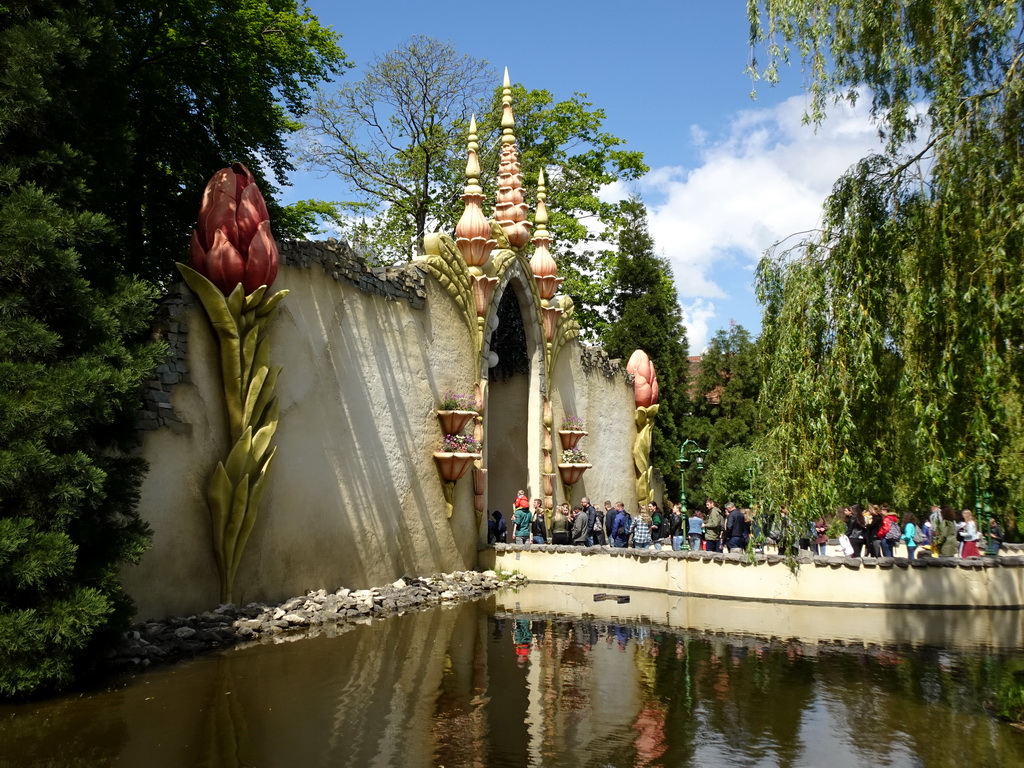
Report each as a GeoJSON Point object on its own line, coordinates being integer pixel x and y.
{"type": "Point", "coordinates": [513, 357]}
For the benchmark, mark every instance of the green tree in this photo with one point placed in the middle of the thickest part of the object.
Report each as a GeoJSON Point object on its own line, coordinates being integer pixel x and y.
{"type": "Point", "coordinates": [645, 314]}
{"type": "Point", "coordinates": [893, 340]}
{"type": "Point", "coordinates": [567, 139]}
{"type": "Point", "coordinates": [398, 138]}
{"type": "Point", "coordinates": [724, 417]}
{"type": "Point", "coordinates": [72, 357]}
{"type": "Point", "coordinates": [179, 89]}
{"type": "Point", "coordinates": [393, 137]}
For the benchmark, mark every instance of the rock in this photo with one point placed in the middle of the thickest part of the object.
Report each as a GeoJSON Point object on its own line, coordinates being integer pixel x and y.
{"type": "Point", "coordinates": [183, 633]}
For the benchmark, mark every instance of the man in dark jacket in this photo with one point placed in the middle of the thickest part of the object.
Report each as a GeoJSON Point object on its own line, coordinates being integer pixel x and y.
{"type": "Point", "coordinates": [591, 514]}
{"type": "Point", "coordinates": [579, 527]}
{"type": "Point", "coordinates": [609, 521]}
{"type": "Point", "coordinates": [735, 527]}
{"type": "Point", "coordinates": [620, 526]}
{"type": "Point", "coordinates": [497, 531]}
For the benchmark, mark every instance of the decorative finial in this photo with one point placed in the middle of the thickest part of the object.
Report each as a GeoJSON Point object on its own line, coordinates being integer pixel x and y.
{"type": "Point", "coordinates": [509, 208]}
{"type": "Point", "coordinates": [542, 264]}
{"type": "Point", "coordinates": [540, 220]}
{"type": "Point", "coordinates": [473, 161]}
{"type": "Point", "coordinates": [508, 121]}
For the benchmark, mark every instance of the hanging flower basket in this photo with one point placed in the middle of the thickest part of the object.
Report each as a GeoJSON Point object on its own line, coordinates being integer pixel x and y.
{"type": "Point", "coordinates": [570, 437]}
{"type": "Point", "coordinates": [453, 422]}
{"type": "Point", "coordinates": [571, 473]}
{"type": "Point", "coordinates": [452, 466]}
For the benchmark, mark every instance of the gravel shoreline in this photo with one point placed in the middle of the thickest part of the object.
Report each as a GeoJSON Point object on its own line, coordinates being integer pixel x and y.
{"type": "Point", "coordinates": [179, 637]}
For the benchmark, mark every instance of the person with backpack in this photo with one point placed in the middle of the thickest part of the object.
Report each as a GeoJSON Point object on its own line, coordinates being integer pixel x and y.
{"type": "Point", "coordinates": [890, 532]}
{"type": "Point", "coordinates": [621, 526]}
{"type": "Point", "coordinates": [912, 535]}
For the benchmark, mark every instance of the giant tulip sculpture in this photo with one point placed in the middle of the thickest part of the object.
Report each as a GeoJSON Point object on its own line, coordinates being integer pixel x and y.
{"type": "Point", "coordinates": [645, 397]}
{"type": "Point", "coordinates": [233, 261]}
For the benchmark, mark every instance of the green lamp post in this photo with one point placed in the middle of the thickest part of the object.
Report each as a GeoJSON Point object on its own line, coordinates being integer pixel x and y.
{"type": "Point", "coordinates": [689, 448]}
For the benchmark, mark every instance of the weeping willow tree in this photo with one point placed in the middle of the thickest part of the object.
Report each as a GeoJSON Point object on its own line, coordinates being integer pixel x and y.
{"type": "Point", "coordinates": [894, 338]}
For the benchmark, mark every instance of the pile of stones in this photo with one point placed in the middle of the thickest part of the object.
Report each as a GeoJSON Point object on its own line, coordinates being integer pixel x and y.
{"type": "Point", "coordinates": [156, 642]}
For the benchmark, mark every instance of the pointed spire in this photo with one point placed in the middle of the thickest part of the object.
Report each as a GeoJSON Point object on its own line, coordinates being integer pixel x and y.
{"type": "Point", "coordinates": [542, 264]}
{"type": "Point", "coordinates": [473, 161]}
{"type": "Point", "coordinates": [472, 233]}
{"type": "Point", "coordinates": [509, 208]}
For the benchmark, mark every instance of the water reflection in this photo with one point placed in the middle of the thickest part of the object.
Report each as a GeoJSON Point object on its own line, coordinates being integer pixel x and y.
{"type": "Point", "coordinates": [515, 681]}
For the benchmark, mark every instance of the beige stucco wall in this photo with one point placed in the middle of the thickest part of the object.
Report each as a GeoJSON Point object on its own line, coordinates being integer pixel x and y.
{"type": "Point", "coordinates": [353, 497]}
{"type": "Point", "coordinates": [605, 403]}
{"type": "Point", "coordinates": [825, 581]}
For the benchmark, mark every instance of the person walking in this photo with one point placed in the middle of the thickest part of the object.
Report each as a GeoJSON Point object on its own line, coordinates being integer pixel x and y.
{"type": "Point", "coordinates": [560, 525]}
{"type": "Point", "coordinates": [995, 537]}
{"type": "Point", "coordinates": [944, 536]}
{"type": "Point", "coordinates": [713, 527]}
{"type": "Point", "coordinates": [695, 531]}
{"type": "Point", "coordinates": [579, 527]}
{"type": "Point", "coordinates": [910, 533]}
{"type": "Point", "coordinates": [890, 533]}
{"type": "Point", "coordinates": [734, 526]}
{"type": "Point", "coordinates": [820, 536]}
{"type": "Point", "coordinates": [621, 526]}
{"type": "Point", "coordinates": [642, 529]}
{"type": "Point", "coordinates": [521, 524]}
{"type": "Point", "coordinates": [970, 536]}
{"type": "Point", "coordinates": [591, 514]}
{"type": "Point", "coordinates": [538, 524]}
{"type": "Point", "coordinates": [675, 528]}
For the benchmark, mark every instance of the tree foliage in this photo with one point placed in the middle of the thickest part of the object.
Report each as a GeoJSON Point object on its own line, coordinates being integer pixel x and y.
{"type": "Point", "coordinates": [398, 139]}
{"type": "Point", "coordinates": [72, 356]}
{"type": "Point", "coordinates": [175, 89]}
{"type": "Point", "coordinates": [567, 139]}
{"type": "Point", "coordinates": [645, 314]}
{"type": "Point", "coordinates": [724, 417]}
{"type": "Point", "coordinates": [394, 137]}
{"type": "Point", "coordinates": [893, 340]}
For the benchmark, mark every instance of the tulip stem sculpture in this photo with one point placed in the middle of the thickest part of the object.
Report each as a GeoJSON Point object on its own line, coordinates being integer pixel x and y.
{"type": "Point", "coordinates": [645, 397]}
{"type": "Point", "coordinates": [233, 262]}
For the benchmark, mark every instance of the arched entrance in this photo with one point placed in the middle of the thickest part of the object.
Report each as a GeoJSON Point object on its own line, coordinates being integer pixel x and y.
{"type": "Point", "coordinates": [512, 415]}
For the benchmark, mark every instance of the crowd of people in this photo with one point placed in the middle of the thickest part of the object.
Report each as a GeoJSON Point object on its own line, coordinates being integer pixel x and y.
{"type": "Point", "coordinates": [872, 531]}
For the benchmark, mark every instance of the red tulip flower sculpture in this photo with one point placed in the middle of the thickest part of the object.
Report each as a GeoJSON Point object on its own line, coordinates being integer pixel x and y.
{"type": "Point", "coordinates": [645, 396]}
{"type": "Point", "coordinates": [233, 261]}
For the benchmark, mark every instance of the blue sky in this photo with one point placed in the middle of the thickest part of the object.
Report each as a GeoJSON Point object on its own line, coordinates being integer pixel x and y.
{"type": "Point", "coordinates": [729, 176]}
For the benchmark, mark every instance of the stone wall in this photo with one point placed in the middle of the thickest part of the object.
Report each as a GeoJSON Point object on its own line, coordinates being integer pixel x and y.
{"type": "Point", "coordinates": [996, 582]}
{"type": "Point", "coordinates": [353, 497]}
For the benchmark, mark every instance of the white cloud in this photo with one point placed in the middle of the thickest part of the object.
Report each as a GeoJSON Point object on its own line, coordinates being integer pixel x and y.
{"type": "Point", "coordinates": [697, 316]}
{"type": "Point", "coordinates": [761, 182]}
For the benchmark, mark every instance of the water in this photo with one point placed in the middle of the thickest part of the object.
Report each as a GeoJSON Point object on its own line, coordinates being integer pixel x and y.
{"type": "Point", "coordinates": [515, 681]}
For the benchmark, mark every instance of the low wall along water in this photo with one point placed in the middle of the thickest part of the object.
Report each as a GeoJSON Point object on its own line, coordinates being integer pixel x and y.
{"type": "Point", "coordinates": [949, 583]}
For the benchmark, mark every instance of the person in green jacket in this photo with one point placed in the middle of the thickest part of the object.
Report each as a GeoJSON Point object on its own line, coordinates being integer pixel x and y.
{"type": "Point", "coordinates": [522, 522]}
{"type": "Point", "coordinates": [713, 526]}
{"type": "Point", "coordinates": [944, 541]}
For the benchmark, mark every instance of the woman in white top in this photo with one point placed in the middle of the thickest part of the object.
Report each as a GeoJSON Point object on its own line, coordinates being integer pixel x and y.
{"type": "Point", "coordinates": [970, 536]}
